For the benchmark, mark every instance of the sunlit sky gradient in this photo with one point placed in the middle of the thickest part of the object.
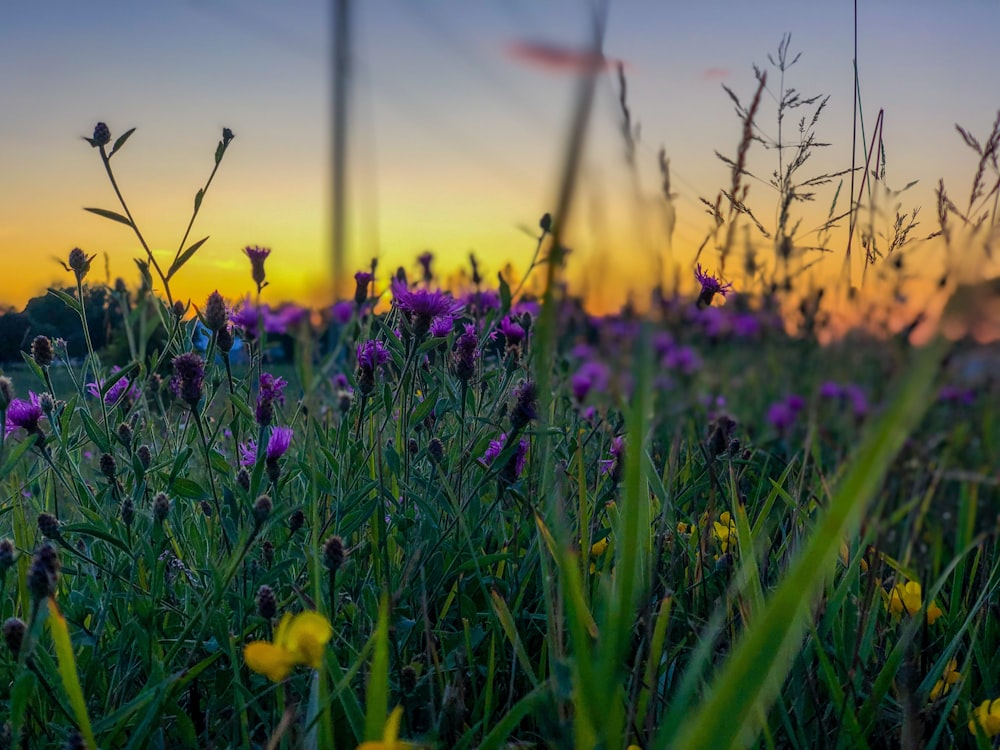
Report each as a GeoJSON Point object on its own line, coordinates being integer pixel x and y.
{"type": "Point", "coordinates": [455, 143]}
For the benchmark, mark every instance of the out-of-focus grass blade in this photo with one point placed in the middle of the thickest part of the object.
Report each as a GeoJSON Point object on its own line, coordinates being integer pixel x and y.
{"type": "Point", "coordinates": [377, 699]}
{"type": "Point", "coordinates": [751, 677]}
{"type": "Point", "coordinates": [67, 671]}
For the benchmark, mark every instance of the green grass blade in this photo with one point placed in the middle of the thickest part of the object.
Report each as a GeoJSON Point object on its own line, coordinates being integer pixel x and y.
{"type": "Point", "coordinates": [751, 677]}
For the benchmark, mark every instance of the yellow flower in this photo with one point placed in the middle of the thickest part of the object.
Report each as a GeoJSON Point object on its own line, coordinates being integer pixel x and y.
{"type": "Point", "coordinates": [907, 596]}
{"type": "Point", "coordinates": [390, 734]}
{"type": "Point", "coordinates": [950, 677]}
{"type": "Point", "coordinates": [298, 640]}
{"type": "Point", "coordinates": [725, 530]}
{"type": "Point", "coordinates": [599, 548]}
{"type": "Point", "coordinates": [987, 716]}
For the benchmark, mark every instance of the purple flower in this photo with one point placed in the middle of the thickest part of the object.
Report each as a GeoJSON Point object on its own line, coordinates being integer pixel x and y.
{"type": "Point", "coordinates": [421, 306]}
{"type": "Point", "coordinates": [189, 374]}
{"type": "Point", "coordinates": [248, 453]}
{"type": "Point", "coordinates": [342, 312]}
{"type": "Point", "coordinates": [279, 442]}
{"type": "Point", "coordinates": [361, 281]}
{"type": "Point", "coordinates": [512, 331]}
{"type": "Point", "coordinates": [859, 401]}
{"type": "Point", "coordinates": [441, 326]}
{"type": "Point", "coordinates": [372, 354]}
{"type": "Point", "coordinates": [271, 390]}
{"type": "Point", "coordinates": [257, 256]}
{"type": "Point", "coordinates": [745, 325]}
{"type": "Point", "coordinates": [246, 318]}
{"type": "Point", "coordinates": [682, 358]}
{"type": "Point", "coordinates": [780, 416]}
{"type": "Point", "coordinates": [116, 392]}
{"type": "Point", "coordinates": [710, 286]}
{"type": "Point", "coordinates": [515, 465]}
{"type": "Point", "coordinates": [795, 403]}
{"type": "Point", "coordinates": [830, 389]}
{"type": "Point", "coordinates": [493, 450]}
{"type": "Point", "coordinates": [592, 375]}
{"type": "Point", "coordinates": [25, 414]}
{"type": "Point", "coordinates": [465, 353]}
{"type": "Point", "coordinates": [714, 322]}
{"type": "Point", "coordinates": [613, 466]}
{"type": "Point", "coordinates": [483, 300]}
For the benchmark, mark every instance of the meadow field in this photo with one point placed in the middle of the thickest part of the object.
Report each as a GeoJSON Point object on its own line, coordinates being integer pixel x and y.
{"type": "Point", "coordinates": [484, 517]}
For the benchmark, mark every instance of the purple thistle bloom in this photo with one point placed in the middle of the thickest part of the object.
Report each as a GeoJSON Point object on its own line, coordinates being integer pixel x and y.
{"type": "Point", "coordinates": [465, 353]}
{"type": "Point", "coordinates": [796, 403]}
{"type": "Point", "coordinates": [483, 300]}
{"type": "Point", "coordinates": [682, 358]}
{"type": "Point", "coordinates": [710, 286]}
{"type": "Point", "coordinates": [425, 260]}
{"type": "Point", "coordinates": [421, 306]}
{"type": "Point", "coordinates": [613, 466]}
{"type": "Point", "coordinates": [372, 354]}
{"type": "Point", "coordinates": [493, 450]}
{"type": "Point", "coordinates": [248, 453]}
{"type": "Point", "coordinates": [342, 312]}
{"type": "Point", "coordinates": [189, 374]}
{"type": "Point", "coordinates": [26, 414]}
{"type": "Point", "coordinates": [780, 416]}
{"type": "Point", "coordinates": [257, 256]}
{"type": "Point", "coordinates": [361, 281]}
{"type": "Point", "coordinates": [441, 326]}
{"type": "Point", "coordinates": [745, 325]}
{"type": "Point", "coordinates": [592, 375]}
{"type": "Point", "coordinates": [272, 389]}
{"type": "Point", "coordinates": [279, 442]}
{"type": "Point", "coordinates": [829, 389]}
{"type": "Point", "coordinates": [859, 401]}
{"type": "Point", "coordinates": [115, 392]}
{"type": "Point", "coordinates": [512, 331]}
{"type": "Point", "coordinates": [245, 318]}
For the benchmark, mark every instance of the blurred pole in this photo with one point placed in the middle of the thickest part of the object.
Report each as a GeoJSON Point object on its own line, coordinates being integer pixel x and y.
{"type": "Point", "coordinates": [341, 59]}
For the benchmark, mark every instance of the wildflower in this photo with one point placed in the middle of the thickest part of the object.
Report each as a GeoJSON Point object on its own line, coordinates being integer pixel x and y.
{"type": "Point", "coordinates": [425, 259]}
{"type": "Point", "coordinates": [25, 414]}
{"type": "Point", "coordinates": [48, 525]}
{"type": "Point", "coordinates": [361, 280]}
{"type": "Point", "coordinates": [108, 466]}
{"type": "Point", "coordinates": [463, 357]}
{"type": "Point", "coordinates": [782, 414]}
{"type": "Point", "coordinates": [161, 507]}
{"type": "Point", "coordinates": [123, 390]}
{"type": "Point", "coordinates": [267, 602]}
{"type": "Point", "coordinates": [599, 547]}
{"type": "Point", "coordinates": [227, 136]}
{"type": "Point", "coordinates": [545, 223]}
{"type": "Point", "coordinates": [248, 453]}
{"type": "Point", "coordinates": [390, 735]}
{"type": "Point", "coordinates": [613, 466]}
{"type": "Point", "coordinates": [43, 575]}
{"type": "Point", "coordinates": [189, 374]}
{"type": "Point", "coordinates": [435, 449]}
{"type": "Point", "coordinates": [102, 135]}
{"type": "Point", "coordinates": [257, 256]}
{"type": "Point", "coordinates": [78, 263]}
{"type": "Point", "coordinates": [908, 596]}
{"type": "Point", "coordinates": [224, 340]}
{"type": "Point", "coordinates": [987, 717]}
{"type": "Point", "coordinates": [127, 511]}
{"type": "Point", "coordinates": [215, 312]}
{"type": "Point", "coordinates": [6, 392]}
{"type": "Point", "coordinates": [298, 640]}
{"type": "Point", "coordinates": [262, 508]}
{"type": "Point", "coordinates": [145, 456]}
{"type": "Point", "coordinates": [14, 629]}
{"type": "Point", "coordinates": [334, 553]}
{"type": "Point", "coordinates": [725, 531]}
{"type": "Point", "coordinates": [683, 359]}
{"type": "Point", "coordinates": [710, 286]}
{"type": "Point", "coordinates": [371, 356]}
{"type": "Point", "coordinates": [271, 389]}
{"type": "Point", "coordinates": [515, 465]}
{"type": "Point", "coordinates": [421, 306]}
{"type": "Point", "coordinates": [950, 677]}
{"type": "Point", "coordinates": [512, 331]}
{"type": "Point", "coordinates": [41, 351]}
{"type": "Point", "coordinates": [277, 446]}
{"type": "Point", "coordinates": [341, 312]}
{"type": "Point", "coordinates": [592, 375]}
{"type": "Point", "coordinates": [296, 521]}
{"type": "Point", "coordinates": [525, 405]}
{"type": "Point", "coordinates": [6, 555]}
{"type": "Point", "coordinates": [441, 326]}
{"type": "Point", "coordinates": [247, 318]}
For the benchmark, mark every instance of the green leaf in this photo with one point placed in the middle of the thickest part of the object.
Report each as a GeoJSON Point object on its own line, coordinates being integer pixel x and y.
{"type": "Point", "coordinates": [186, 255]}
{"type": "Point", "coordinates": [220, 150]}
{"type": "Point", "coordinates": [67, 671]}
{"type": "Point", "coordinates": [70, 301]}
{"type": "Point", "coordinates": [120, 141]}
{"type": "Point", "coordinates": [15, 455]}
{"type": "Point", "coordinates": [94, 431]}
{"type": "Point", "coordinates": [377, 703]}
{"type": "Point", "coordinates": [424, 408]}
{"type": "Point", "coordinates": [504, 295]}
{"type": "Point", "coordinates": [188, 489]}
{"type": "Point", "coordinates": [198, 198]}
{"type": "Point", "coordinates": [110, 215]}
{"type": "Point", "coordinates": [20, 697]}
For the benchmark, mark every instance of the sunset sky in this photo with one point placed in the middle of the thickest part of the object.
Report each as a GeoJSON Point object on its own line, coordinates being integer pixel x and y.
{"type": "Point", "coordinates": [456, 139]}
